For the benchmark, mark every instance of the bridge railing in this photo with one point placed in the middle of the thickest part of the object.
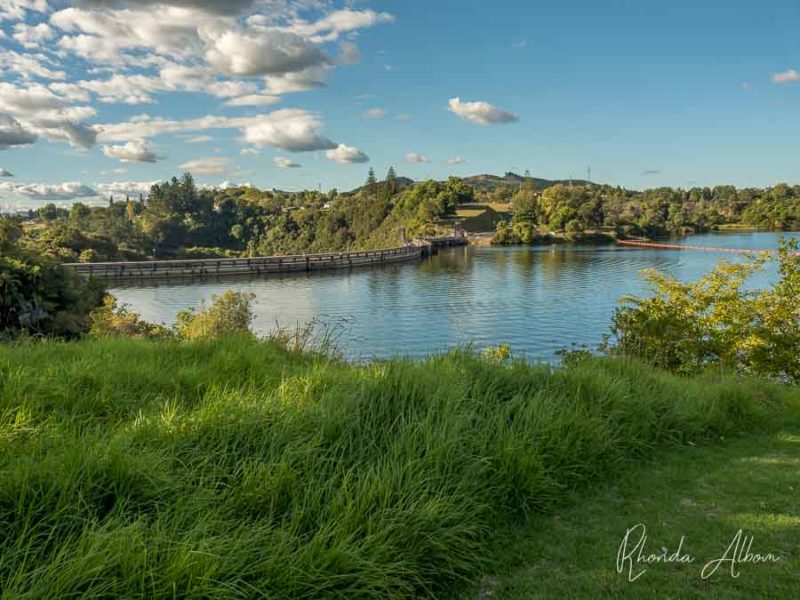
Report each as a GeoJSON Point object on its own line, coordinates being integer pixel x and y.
{"type": "Point", "coordinates": [256, 265]}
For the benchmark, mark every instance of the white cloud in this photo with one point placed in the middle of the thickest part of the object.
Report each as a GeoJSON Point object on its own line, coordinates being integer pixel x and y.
{"type": "Point", "coordinates": [225, 7]}
{"type": "Point", "coordinates": [133, 151]}
{"type": "Point", "coordinates": [236, 52]}
{"type": "Point", "coordinates": [207, 166]}
{"type": "Point", "coordinates": [31, 36]}
{"type": "Point", "coordinates": [252, 100]}
{"type": "Point", "coordinates": [786, 76]}
{"type": "Point", "coordinates": [12, 133]}
{"type": "Point", "coordinates": [330, 27]}
{"type": "Point", "coordinates": [374, 113]}
{"type": "Point", "coordinates": [481, 113]}
{"type": "Point", "coordinates": [30, 65]}
{"type": "Point", "coordinates": [125, 188]}
{"type": "Point", "coordinates": [16, 9]}
{"type": "Point", "coordinates": [250, 152]}
{"type": "Point", "coordinates": [285, 163]}
{"type": "Point", "coordinates": [41, 112]}
{"type": "Point", "coordinates": [413, 157]}
{"type": "Point", "coordinates": [59, 192]}
{"type": "Point", "coordinates": [456, 160]}
{"type": "Point", "coordinates": [346, 155]}
{"type": "Point", "coordinates": [293, 130]}
{"type": "Point", "coordinates": [4, 173]}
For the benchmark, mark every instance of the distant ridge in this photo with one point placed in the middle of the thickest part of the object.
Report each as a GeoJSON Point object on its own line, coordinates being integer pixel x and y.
{"type": "Point", "coordinates": [485, 181]}
{"type": "Point", "coordinates": [488, 182]}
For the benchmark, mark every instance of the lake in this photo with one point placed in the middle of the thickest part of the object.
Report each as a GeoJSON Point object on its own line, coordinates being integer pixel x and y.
{"type": "Point", "coordinates": [538, 299]}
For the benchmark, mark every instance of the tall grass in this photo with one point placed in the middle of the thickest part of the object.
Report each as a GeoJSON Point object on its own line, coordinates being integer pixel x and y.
{"type": "Point", "coordinates": [235, 469]}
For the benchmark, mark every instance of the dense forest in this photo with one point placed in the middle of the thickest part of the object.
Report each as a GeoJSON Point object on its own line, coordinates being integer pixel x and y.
{"type": "Point", "coordinates": [656, 213]}
{"type": "Point", "coordinates": [180, 219]}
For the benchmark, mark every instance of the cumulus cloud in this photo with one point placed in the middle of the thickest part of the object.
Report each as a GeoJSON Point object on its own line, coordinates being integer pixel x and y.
{"type": "Point", "coordinates": [293, 130]}
{"type": "Point", "coordinates": [133, 151]}
{"type": "Point", "coordinates": [236, 52]}
{"type": "Point", "coordinates": [226, 7]}
{"type": "Point", "coordinates": [31, 36]}
{"type": "Point", "coordinates": [17, 9]}
{"type": "Point", "coordinates": [207, 166]}
{"type": "Point", "coordinates": [346, 155]}
{"type": "Point", "coordinates": [456, 160]}
{"type": "Point", "coordinates": [786, 76]}
{"type": "Point", "coordinates": [285, 163]}
{"type": "Point", "coordinates": [481, 113]}
{"type": "Point", "coordinates": [413, 157]}
{"type": "Point", "coordinates": [70, 190]}
{"type": "Point", "coordinates": [12, 133]}
{"type": "Point", "coordinates": [83, 54]}
{"type": "Point", "coordinates": [42, 113]}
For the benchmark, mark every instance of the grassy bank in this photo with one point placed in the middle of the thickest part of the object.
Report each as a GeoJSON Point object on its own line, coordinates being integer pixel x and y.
{"type": "Point", "coordinates": [706, 493]}
{"type": "Point", "coordinates": [233, 469]}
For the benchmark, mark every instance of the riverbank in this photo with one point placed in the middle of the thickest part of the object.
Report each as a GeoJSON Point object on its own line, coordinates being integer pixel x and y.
{"type": "Point", "coordinates": [235, 468]}
{"type": "Point", "coordinates": [707, 493]}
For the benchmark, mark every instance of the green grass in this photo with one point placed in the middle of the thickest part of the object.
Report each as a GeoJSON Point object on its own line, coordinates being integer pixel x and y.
{"type": "Point", "coordinates": [233, 469]}
{"type": "Point", "coordinates": [706, 494]}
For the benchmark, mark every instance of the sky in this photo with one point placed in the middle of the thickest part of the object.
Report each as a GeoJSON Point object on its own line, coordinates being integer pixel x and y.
{"type": "Point", "coordinates": [101, 97]}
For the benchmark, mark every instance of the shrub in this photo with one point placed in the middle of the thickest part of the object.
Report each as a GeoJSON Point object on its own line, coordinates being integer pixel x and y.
{"type": "Point", "coordinates": [230, 313]}
{"type": "Point", "coordinates": [685, 327]}
{"type": "Point", "coordinates": [114, 319]}
{"type": "Point", "coordinates": [39, 297]}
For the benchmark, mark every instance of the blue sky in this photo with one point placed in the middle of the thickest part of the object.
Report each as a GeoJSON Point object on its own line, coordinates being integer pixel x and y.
{"type": "Point", "coordinates": [646, 93]}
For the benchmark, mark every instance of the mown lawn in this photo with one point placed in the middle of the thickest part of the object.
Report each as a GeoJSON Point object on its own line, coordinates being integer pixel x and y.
{"type": "Point", "coordinates": [705, 493]}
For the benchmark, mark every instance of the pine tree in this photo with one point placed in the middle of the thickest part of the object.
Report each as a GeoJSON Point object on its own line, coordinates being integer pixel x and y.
{"type": "Point", "coordinates": [391, 182]}
{"type": "Point", "coordinates": [372, 183]}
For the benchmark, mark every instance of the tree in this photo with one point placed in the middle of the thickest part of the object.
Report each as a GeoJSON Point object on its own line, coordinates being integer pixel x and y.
{"type": "Point", "coordinates": [40, 297]}
{"type": "Point", "coordinates": [372, 183]}
{"type": "Point", "coordinates": [392, 186]}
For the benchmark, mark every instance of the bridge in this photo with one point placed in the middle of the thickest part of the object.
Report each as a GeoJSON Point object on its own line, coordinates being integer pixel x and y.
{"type": "Point", "coordinates": [262, 265]}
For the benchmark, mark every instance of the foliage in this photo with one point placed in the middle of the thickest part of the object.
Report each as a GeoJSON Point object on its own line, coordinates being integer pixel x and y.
{"type": "Point", "coordinates": [229, 314]}
{"type": "Point", "coordinates": [233, 469]}
{"type": "Point", "coordinates": [113, 319]}
{"type": "Point", "coordinates": [652, 213]}
{"type": "Point", "coordinates": [686, 327]}
{"type": "Point", "coordinates": [39, 297]}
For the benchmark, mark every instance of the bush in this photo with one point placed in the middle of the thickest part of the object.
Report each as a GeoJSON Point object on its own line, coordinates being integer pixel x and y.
{"type": "Point", "coordinates": [39, 297]}
{"type": "Point", "coordinates": [229, 314]}
{"type": "Point", "coordinates": [686, 327]}
{"type": "Point", "coordinates": [113, 319]}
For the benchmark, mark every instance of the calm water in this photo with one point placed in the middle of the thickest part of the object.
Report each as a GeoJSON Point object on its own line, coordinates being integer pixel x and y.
{"type": "Point", "coordinates": [536, 299]}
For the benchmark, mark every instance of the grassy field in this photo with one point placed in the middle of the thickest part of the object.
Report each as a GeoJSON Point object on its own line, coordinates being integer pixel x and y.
{"type": "Point", "coordinates": [706, 494]}
{"type": "Point", "coordinates": [234, 469]}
